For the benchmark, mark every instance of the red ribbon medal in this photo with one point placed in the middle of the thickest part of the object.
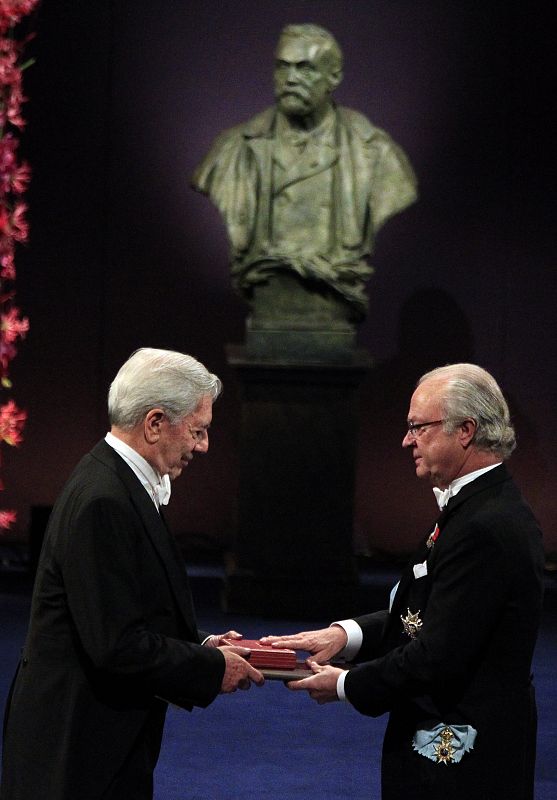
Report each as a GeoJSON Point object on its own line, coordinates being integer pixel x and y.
{"type": "Point", "coordinates": [432, 538]}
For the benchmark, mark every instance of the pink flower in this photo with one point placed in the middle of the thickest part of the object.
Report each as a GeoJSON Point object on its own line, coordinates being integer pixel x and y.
{"type": "Point", "coordinates": [20, 227]}
{"type": "Point", "coordinates": [12, 422]}
{"type": "Point", "coordinates": [20, 178]}
{"type": "Point", "coordinates": [14, 177]}
{"type": "Point", "coordinates": [12, 325]}
{"type": "Point", "coordinates": [14, 224]}
{"type": "Point", "coordinates": [9, 72]}
{"type": "Point", "coordinates": [15, 101]}
{"type": "Point", "coordinates": [7, 266]}
{"type": "Point", "coordinates": [7, 519]}
{"type": "Point", "coordinates": [12, 11]}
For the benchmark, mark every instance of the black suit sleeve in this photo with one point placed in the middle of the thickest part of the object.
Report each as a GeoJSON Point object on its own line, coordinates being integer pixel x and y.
{"type": "Point", "coordinates": [123, 610]}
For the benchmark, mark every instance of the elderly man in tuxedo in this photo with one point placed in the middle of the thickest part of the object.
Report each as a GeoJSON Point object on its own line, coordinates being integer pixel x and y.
{"type": "Point", "coordinates": [112, 634]}
{"type": "Point", "coordinates": [451, 659]}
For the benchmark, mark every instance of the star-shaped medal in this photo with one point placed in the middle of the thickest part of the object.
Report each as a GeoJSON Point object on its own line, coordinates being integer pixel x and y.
{"type": "Point", "coordinates": [411, 623]}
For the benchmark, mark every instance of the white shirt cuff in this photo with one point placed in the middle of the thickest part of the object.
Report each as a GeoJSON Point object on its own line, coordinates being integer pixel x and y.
{"type": "Point", "coordinates": [355, 638]}
{"type": "Point", "coordinates": [340, 685]}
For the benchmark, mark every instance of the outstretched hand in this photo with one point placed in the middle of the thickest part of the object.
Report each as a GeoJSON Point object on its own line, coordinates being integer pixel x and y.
{"type": "Point", "coordinates": [324, 644]}
{"type": "Point", "coordinates": [321, 686]}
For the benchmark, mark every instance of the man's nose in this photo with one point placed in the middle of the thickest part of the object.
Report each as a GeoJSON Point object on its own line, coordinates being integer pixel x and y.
{"type": "Point", "coordinates": [292, 74]}
{"type": "Point", "coordinates": [203, 444]}
{"type": "Point", "coordinates": [408, 440]}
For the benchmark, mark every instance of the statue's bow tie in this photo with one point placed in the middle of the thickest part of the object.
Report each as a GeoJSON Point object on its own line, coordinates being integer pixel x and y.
{"type": "Point", "coordinates": [442, 496]}
{"type": "Point", "coordinates": [162, 491]}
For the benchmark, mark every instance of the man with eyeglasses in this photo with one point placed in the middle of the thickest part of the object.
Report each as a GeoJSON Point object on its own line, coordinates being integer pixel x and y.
{"type": "Point", "coordinates": [451, 658]}
{"type": "Point", "coordinates": [113, 635]}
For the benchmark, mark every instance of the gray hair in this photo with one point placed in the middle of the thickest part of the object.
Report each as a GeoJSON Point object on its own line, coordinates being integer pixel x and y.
{"type": "Point", "coordinates": [315, 33]}
{"type": "Point", "coordinates": [470, 392]}
{"type": "Point", "coordinates": [163, 379]}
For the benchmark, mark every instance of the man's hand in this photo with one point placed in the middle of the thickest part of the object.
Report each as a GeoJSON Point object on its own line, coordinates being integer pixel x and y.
{"type": "Point", "coordinates": [323, 644]}
{"type": "Point", "coordinates": [321, 686]}
{"type": "Point", "coordinates": [238, 673]}
{"type": "Point", "coordinates": [216, 640]}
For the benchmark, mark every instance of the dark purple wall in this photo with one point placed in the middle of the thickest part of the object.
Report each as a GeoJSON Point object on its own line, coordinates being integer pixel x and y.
{"type": "Point", "coordinates": [125, 99]}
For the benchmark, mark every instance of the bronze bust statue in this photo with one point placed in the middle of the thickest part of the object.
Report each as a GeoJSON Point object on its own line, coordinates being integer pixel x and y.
{"type": "Point", "coordinates": [303, 188]}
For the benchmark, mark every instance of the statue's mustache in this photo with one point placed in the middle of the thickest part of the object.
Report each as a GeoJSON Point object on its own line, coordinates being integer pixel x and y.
{"type": "Point", "coordinates": [293, 93]}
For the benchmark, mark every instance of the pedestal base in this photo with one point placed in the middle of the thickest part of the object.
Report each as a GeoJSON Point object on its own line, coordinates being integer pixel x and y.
{"type": "Point", "coordinates": [299, 347]}
{"type": "Point", "coordinates": [293, 322]}
{"type": "Point", "coordinates": [298, 431]}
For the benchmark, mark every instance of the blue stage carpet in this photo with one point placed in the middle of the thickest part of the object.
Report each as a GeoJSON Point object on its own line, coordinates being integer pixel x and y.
{"type": "Point", "coordinates": [271, 743]}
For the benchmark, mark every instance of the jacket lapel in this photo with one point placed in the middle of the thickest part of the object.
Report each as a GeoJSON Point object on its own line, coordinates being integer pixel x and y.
{"type": "Point", "coordinates": [486, 481]}
{"type": "Point", "coordinates": [406, 580]}
{"type": "Point", "coordinates": [155, 528]}
{"type": "Point", "coordinates": [316, 159]}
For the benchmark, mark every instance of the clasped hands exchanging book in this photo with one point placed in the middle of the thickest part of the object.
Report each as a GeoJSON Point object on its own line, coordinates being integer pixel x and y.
{"type": "Point", "coordinates": [274, 657]}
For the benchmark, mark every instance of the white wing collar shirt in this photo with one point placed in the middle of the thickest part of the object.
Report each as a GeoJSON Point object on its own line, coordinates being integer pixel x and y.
{"type": "Point", "coordinates": [444, 495]}
{"type": "Point", "coordinates": [157, 486]}
{"type": "Point", "coordinates": [353, 630]}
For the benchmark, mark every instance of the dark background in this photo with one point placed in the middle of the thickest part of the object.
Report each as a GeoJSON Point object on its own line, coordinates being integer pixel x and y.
{"type": "Point", "coordinates": [125, 99]}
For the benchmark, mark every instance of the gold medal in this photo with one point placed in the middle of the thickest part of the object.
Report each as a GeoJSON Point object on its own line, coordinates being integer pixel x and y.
{"type": "Point", "coordinates": [445, 751]}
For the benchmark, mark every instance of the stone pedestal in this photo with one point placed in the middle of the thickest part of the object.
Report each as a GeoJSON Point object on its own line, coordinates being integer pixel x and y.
{"type": "Point", "coordinates": [298, 434]}
{"type": "Point", "coordinates": [297, 322]}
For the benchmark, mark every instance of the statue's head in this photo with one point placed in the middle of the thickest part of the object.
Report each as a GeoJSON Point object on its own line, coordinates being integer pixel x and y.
{"type": "Point", "coordinates": [308, 67]}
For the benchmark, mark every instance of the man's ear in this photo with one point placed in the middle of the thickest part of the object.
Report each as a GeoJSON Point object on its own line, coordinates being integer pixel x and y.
{"type": "Point", "coordinates": [466, 432]}
{"type": "Point", "coordinates": [335, 77]}
{"type": "Point", "coordinates": [152, 424]}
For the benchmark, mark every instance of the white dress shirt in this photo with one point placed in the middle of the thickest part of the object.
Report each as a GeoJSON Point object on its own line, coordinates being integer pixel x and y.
{"type": "Point", "coordinates": [157, 486]}
{"type": "Point", "coordinates": [444, 495]}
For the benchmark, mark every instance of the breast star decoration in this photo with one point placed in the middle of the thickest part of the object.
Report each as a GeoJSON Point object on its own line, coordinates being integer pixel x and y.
{"type": "Point", "coordinates": [411, 623]}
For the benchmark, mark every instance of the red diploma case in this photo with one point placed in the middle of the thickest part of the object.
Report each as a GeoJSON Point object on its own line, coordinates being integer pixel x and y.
{"type": "Point", "coordinates": [277, 663]}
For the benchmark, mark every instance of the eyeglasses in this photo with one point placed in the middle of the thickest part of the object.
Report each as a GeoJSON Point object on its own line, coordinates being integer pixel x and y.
{"type": "Point", "coordinates": [199, 434]}
{"type": "Point", "coordinates": [415, 429]}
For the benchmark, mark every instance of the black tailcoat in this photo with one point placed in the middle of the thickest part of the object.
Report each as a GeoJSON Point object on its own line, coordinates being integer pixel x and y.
{"type": "Point", "coordinates": [112, 630]}
{"type": "Point", "coordinates": [470, 663]}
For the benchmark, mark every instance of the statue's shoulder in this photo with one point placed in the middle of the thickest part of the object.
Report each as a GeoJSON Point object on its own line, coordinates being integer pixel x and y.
{"type": "Point", "coordinates": [228, 150]}
{"type": "Point", "coordinates": [259, 125]}
{"type": "Point", "coordinates": [361, 126]}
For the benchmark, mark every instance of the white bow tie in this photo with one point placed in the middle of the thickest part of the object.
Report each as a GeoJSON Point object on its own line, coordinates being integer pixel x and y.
{"type": "Point", "coordinates": [442, 496]}
{"type": "Point", "coordinates": [162, 491]}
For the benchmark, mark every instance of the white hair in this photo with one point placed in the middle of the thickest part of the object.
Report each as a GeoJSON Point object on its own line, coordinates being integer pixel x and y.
{"type": "Point", "coordinates": [164, 379]}
{"type": "Point", "coordinates": [470, 392]}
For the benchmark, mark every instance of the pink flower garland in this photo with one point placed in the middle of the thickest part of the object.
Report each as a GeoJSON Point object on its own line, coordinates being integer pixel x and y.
{"type": "Point", "coordinates": [14, 179]}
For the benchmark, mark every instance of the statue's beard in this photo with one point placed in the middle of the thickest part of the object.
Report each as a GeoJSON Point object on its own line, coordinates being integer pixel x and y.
{"type": "Point", "coordinates": [294, 103]}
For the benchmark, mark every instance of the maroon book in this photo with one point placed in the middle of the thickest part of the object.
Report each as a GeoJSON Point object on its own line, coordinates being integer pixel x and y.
{"type": "Point", "coordinates": [265, 657]}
